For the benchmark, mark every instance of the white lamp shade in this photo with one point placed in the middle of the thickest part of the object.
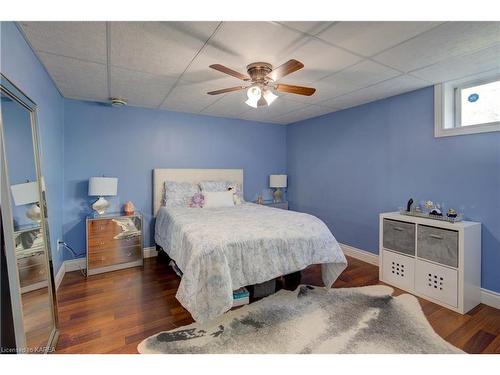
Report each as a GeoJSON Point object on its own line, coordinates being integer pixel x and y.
{"type": "Point", "coordinates": [103, 186]}
{"type": "Point", "coordinates": [25, 193]}
{"type": "Point", "coordinates": [277, 181]}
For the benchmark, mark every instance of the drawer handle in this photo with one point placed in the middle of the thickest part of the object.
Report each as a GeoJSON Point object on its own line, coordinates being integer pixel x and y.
{"type": "Point", "coordinates": [399, 229]}
{"type": "Point", "coordinates": [435, 236]}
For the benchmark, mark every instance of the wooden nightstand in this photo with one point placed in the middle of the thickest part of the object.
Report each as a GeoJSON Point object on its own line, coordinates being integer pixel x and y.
{"type": "Point", "coordinates": [114, 241]}
{"type": "Point", "coordinates": [283, 205]}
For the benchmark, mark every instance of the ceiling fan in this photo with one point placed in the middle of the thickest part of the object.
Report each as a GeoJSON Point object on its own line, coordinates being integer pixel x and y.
{"type": "Point", "coordinates": [262, 79]}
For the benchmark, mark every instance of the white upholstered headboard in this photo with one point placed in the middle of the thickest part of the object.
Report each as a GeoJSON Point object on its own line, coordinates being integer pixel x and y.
{"type": "Point", "coordinates": [160, 175]}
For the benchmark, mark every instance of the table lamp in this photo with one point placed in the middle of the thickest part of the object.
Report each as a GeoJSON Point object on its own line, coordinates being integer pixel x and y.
{"type": "Point", "coordinates": [276, 182]}
{"type": "Point", "coordinates": [27, 193]}
{"type": "Point", "coordinates": [101, 187]}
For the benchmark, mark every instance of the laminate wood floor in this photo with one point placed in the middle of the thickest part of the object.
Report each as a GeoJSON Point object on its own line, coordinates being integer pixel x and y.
{"type": "Point", "coordinates": [113, 312]}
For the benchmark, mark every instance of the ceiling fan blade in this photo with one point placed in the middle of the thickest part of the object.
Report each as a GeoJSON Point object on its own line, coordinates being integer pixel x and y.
{"type": "Point", "coordinates": [222, 91]}
{"type": "Point", "coordinates": [289, 67]}
{"type": "Point", "coordinates": [299, 90]}
{"type": "Point", "coordinates": [231, 72]}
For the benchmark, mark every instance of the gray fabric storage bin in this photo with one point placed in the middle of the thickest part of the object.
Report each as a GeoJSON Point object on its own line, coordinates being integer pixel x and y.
{"type": "Point", "coordinates": [399, 236]}
{"type": "Point", "coordinates": [438, 245]}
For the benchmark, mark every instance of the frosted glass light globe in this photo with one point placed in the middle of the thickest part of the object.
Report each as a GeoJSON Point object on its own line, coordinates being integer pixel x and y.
{"type": "Point", "coordinates": [254, 93]}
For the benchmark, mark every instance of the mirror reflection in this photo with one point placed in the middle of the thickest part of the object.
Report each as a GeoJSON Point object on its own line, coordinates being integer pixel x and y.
{"type": "Point", "coordinates": [29, 241]}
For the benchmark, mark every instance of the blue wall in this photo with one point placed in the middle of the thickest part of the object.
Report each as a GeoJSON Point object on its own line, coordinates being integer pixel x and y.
{"type": "Point", "coordinates": [347, 167]}
{"type": "Point", "coordinates": [19, 64]}
{"type": "Point", "coordinates": [129, 143]}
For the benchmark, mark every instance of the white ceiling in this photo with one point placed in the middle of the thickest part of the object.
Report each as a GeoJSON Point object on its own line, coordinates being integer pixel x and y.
{"type": "Point", "coordinates": [164, 65]}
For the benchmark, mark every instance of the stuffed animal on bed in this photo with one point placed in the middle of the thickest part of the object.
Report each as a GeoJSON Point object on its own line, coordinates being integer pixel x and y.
{"type": "Point", "coordinates": [236, 197]}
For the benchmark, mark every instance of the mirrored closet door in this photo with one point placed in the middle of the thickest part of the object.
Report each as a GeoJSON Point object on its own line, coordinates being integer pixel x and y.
{"type": "Point", "coordinates": [26, 244]}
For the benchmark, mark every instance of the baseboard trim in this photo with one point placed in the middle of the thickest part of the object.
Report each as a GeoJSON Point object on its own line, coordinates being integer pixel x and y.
{"type": "Point", "coordinates": [75, 264]}
{"type": "Point", "coordinates": [488, 297]}
{"type": "Point", "coordinates": [60, 275]}
{"type": "Point", "coordinates": [150, 252]}
{"type": "Point", "coordinates": [363, 255]}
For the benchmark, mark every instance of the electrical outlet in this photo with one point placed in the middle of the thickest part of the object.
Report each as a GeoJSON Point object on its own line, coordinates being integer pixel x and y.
{"type": "Point", "coordinates": [59, 245]}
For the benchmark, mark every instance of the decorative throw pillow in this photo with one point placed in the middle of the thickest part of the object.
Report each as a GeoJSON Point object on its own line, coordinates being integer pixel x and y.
{"type": "Point", "coordinates": [197, 201]}
{"type": "Point", "coordinates": [218, 199]}
{"type": "Point", "coordinates": [212, 186]}
{"type": "Point", "coordinates": [179, 194]}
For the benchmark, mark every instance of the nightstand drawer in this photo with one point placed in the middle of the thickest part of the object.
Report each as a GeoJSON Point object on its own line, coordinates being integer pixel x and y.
{"type": "Point", "coordinates": [97, 243]}
{"type": "Point", "coordinates": [111, 228]}
{"type": "Point", "coordinates": [29, 261]}
{"type": "Point", "coordinates": [32, 273]}
{"type": "Point", "coordinates": [108, 257]}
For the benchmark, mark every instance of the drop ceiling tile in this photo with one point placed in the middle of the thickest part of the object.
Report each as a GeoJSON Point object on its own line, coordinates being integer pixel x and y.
{"type": "Point", "coordinates": [237, 44]}
{"type": "Point", "coordinates": [82, 40]}
{"type": "Point", "coordinates": [323, 92]}
{"type": "Point", "coordinates": [192, 97]}
{"type": "Point", "coordinates": [140, 89]}
{"type": "Point", "coordinates": [368, 38]}
{"type": "Point", "coordinates": [304, 114]}
{"type": "Point", "coordinates": [358, 76]}
{"type": "Point", "coordinates": [319, 58]}
{"type": "Point", "coordinates": [308, 27]}
{"type": "Point", "coordinates": [230, 105]}
{"type": "Point", "coordinates": [445, 41]}
{"type": "Point", "coordinates": [163, 48]}
{"type": "Point", "coordinates": [380, 90]}
{"type": "Point", "coordinates": [462, 66]}
{"type": "Point", "coordinates": [77, 78]}
{"type": "Point", "coordinates": [353, 78]}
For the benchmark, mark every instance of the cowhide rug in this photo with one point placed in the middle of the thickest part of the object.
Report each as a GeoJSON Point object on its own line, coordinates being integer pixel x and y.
{"type": "Point", "coordinates": [311, 320]}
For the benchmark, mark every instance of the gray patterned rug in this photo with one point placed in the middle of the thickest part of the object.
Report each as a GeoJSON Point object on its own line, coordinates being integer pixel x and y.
{"type": "Point", "coordinates": [311, 320]}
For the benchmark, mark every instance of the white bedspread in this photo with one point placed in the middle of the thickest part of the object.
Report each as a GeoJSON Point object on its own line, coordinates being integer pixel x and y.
{"type": "Point", "coordinates": [222, 249]}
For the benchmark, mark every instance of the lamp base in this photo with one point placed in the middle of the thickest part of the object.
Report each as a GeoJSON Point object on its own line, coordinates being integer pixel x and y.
{"type": "Point", "coordinates": [34, 213]}
{"type": "Point", "coordinates": [278, 195]}
{"type": "Point", "coordinates": [100, 205]}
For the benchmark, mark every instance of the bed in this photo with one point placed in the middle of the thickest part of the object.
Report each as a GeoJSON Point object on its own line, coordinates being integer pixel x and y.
{"type": "Point", "coordinates": [222, 249]}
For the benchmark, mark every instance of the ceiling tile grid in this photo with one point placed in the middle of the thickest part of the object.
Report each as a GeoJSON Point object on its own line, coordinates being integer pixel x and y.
{"type": "Point", "coordinates": [139, 88]}
{"type": "Point", "coordinates": [391, 87]}
{"type": "Point", "coordinates": [165, 65]}
{"type": "Point", "coordinates": [443, 42]}
{"type": "Point", "coordinates": [77, 79]}
{"type": "Point", "coordinates": [80, 40]}
{"type": "Point", "coordinates": [368, 38]}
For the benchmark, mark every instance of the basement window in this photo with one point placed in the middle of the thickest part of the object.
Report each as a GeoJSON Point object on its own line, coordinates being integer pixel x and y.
{"type": "Point", "coordinates": [467, 106]}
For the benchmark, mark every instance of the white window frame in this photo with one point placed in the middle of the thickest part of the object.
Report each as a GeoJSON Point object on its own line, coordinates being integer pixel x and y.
{"type": "Point", "coordinates": [447, 107]}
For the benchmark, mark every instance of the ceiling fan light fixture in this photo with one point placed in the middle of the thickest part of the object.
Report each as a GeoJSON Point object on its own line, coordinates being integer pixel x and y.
{"type": "Point", "coordinates": [252, 103]}
{"type": "Point", "coordinates": [254, 93]}
{"type": "Point", "coordinates": [269, 96]}
{"type": "Point", "coordinates": [261, 102]}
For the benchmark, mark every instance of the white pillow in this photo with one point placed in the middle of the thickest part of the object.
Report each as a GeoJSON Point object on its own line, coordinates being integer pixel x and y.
{"type": "Point", "coordinates": [218, 199]}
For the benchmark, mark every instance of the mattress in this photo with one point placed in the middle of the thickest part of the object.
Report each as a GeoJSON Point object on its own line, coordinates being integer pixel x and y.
{"type": "Point", "coordinates": [222, 249]}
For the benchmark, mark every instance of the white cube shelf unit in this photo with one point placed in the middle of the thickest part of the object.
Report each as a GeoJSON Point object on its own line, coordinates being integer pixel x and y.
{"type": "Point", "coordinates": [436, 260]}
